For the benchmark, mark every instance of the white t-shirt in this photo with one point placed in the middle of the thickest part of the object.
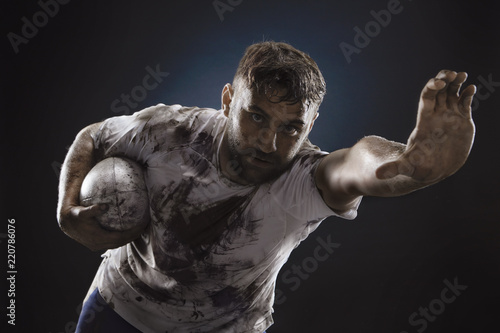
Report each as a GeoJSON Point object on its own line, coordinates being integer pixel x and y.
{"type": "Point", "coordinates": [210, 257]}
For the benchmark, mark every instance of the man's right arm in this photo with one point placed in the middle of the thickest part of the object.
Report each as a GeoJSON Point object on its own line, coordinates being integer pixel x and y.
{"type": "Point", "coordinates": [80, 222]}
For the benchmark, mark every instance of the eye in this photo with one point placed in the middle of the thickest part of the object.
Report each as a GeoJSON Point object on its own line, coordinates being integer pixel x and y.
{"type": "Point", "coordinates": [257, 117]}
{"type": "Point", "coordinates": [290, 130]}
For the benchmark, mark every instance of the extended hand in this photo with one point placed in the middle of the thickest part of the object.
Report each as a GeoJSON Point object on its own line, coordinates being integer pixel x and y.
{"type": "Point", "coordinates": [441, 141]}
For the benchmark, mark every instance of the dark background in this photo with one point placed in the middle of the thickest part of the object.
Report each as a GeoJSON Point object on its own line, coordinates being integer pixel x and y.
{"type": "Point", "coordinates": [392, 259]}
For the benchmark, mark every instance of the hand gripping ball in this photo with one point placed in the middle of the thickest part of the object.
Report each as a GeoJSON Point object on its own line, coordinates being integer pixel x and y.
{"type": "Point", "coordinates": [119, 183]}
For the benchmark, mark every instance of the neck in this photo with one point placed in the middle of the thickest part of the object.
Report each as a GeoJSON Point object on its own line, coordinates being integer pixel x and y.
{"type": "Point", "coordinates": [228, 165]}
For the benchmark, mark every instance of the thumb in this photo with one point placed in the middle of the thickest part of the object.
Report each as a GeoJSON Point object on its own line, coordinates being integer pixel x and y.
{"type": "Point", "coordinates": [94, 210]}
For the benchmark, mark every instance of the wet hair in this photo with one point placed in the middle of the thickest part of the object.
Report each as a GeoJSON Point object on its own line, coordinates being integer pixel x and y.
{"type": "Point", "coordinates": [269, 66]}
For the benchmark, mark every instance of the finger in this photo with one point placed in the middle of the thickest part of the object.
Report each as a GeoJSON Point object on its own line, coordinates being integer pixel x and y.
{"type": "Point", "coordinates": [93, 211]}
{"type": "Point", "coordinates": [429, 93]}
{"type": "Point", "coordinates": [448, 77]}
{"type": "Point", "coordinates": [465, 101]}
{"type": "Point", "coordinates": [120, 238]}
{"type": "Point", "coordinates": [442, 74]}
{"type": "Point", "coordinates": [454, 86]}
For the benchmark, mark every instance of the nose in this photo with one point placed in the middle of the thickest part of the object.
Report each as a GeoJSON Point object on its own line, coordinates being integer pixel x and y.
{"type": "Point", "coordinates": [267, 140]}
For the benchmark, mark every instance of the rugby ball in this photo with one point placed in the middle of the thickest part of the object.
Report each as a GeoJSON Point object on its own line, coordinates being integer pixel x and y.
{"type": "Point", "coordinates": [119, 183]}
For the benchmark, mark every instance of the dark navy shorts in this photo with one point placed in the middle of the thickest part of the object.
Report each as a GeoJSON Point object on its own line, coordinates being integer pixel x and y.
{"type": "Point", "coordinates": [98, 317]}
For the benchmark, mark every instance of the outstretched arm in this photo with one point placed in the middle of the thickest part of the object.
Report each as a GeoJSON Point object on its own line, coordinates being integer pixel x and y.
{"type": "Point", "coordinates": [438, 146]}
{"type": "Point", "coordinates": [80, 222]}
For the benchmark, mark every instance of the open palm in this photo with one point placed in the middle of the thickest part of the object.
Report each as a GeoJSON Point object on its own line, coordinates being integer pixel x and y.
{"type": "Point", "coordinates": [442, 139]}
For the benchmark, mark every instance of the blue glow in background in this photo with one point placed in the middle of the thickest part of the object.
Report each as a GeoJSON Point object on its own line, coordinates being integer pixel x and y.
{"type": "Point", "coordinates": [393, 257]}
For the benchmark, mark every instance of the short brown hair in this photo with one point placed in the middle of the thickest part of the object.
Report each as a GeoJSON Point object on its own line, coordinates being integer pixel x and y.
{"type": "Point", "coordinates": [268, 65]}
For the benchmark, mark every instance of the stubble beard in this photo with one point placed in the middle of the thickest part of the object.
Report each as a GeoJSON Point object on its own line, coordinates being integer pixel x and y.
{"type": "Point", "coordinates": [250, 174]}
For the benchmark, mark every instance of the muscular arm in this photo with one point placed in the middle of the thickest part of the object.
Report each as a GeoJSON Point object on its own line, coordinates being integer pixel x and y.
{"type": "Point", "coordinates": [76, 221]}
{"type": "Point", "coordinates": [438, 146]}
{"type": "Point", "coordinates": [347, 174]}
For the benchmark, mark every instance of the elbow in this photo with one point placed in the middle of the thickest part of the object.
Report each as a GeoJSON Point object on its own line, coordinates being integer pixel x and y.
{"type": "Point", "coordinates": [61, 220]}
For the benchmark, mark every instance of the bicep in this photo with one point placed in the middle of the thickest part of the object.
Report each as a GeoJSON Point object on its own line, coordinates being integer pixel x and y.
{"type": "Point", "coordinates": [81, 157]}
{"type": "Point", "coordinates": [335, 184]}
{"type": "Point", "coordinates": [125, 136]}
{"type": "Point", "coordinates": [85, 142]}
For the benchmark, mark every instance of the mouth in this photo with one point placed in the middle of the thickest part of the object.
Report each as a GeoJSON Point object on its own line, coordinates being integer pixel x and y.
{"type": "Point", "coordinates": [259, 162]}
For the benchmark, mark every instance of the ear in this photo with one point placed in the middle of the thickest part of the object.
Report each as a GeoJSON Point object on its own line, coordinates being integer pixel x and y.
{"type": "Point", "coordinates": [226, 98]}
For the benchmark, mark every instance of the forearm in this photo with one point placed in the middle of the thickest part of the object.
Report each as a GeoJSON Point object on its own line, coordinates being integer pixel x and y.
{"type": "Point", "coordinates": [81, 157]}
{"type": "Point", "coordinates": [436, 148]}
{"type": "Point", "coordinates": [359, 170]}
{"type": "Point", "coordinates": [78, 222]}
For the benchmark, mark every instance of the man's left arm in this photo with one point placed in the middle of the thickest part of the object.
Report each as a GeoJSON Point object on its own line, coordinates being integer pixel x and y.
{"type": "Point", "coordinates": [438, 146]}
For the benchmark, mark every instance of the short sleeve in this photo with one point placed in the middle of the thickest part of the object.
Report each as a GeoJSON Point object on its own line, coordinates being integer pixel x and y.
{"type": "Point", "coordinates": [129, 136]}
{"type": "Point", "coordinates": [299, 196]}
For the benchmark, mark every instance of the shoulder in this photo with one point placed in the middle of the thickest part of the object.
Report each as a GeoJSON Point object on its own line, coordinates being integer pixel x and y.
{"type": "Point", "coordinates": [308, 156]}
{"type": "Point", "coordinates": [297, 182]}
{"type": "Point", "coordinates": [158, 127]}
{"type": "Point", "coordinates": [177, 115]}
{"type": "Point", "coordinates": [181, 123]}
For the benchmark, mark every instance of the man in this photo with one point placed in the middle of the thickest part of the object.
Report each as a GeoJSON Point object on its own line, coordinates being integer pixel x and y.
{"type": "Point", "coordinates": [233, 192]}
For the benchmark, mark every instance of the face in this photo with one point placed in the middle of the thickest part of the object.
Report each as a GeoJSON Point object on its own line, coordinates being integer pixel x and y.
{"type": "Point", "coordinates": [262, 135]}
